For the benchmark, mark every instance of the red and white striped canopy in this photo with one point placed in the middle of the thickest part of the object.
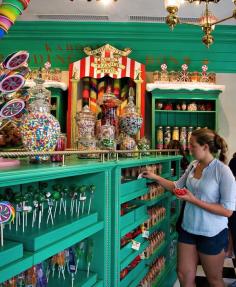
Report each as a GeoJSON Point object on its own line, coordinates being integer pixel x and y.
{"type": "Point", "coordinates": [107, 64]}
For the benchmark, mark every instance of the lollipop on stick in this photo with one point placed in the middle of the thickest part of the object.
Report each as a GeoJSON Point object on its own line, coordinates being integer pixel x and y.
{"type": "Point", "coordinates": [50, 205]}
{"type": "Point", "coordinates": [80, 251]}
{"type": "Point", "coordinates": [72, 264]}
{"type": "Point", "coordinates": [64, 192]}
{"type": "Point", "coordinates": [7, 214]}
{"type": "Point", "coordinates": [92, 189]}
{"type": "Point", "coordinates": [89, 255]}
{"type": "Point", "coordinates": [83, 197]}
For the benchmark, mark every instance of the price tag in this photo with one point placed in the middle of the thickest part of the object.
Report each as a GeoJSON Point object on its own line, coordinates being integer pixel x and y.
{"type": "Point", "coordinates": [142, 256]}
{"type": "Point", "coordinates": [145, 234]}
{"type": "Point", "coordinates": [135, 245]}
{"type": "Point", "coordinates": [140, 176]}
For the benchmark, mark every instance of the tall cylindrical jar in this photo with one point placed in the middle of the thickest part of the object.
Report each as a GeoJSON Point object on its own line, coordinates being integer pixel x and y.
{"type": "Point", "coordinates": [190, 130]}
{"type": "Point", "coordinates": [159, 137]}
{"type": "Point", "coordinates": [183, 137]}
{"type": "Point", "coordinates": [60, 146]}
{"type": "Point", "coordinates": [167, 137]}
{"type": "Point", "coordinates": [175, 134]}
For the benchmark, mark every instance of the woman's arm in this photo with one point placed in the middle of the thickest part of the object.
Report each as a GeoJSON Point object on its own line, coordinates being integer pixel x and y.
{"type": "Point", "coordinates": [211, 207]}
{"type": "Point", "coordinates": [167, 184]}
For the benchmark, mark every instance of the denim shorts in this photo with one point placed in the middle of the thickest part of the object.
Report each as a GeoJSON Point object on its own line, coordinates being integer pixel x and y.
{"type": "Point", "coordinates": [204, 244]}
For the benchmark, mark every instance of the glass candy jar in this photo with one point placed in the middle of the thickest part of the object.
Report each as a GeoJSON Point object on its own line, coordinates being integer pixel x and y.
{"type": "Point", "coordinates": [107, 137]}
{"type": "Point", "coordinates": [38, 89]}
{"type": "Point", "coordinates": [144, 146]}
{"type": "Point", "coordinates": [39, 129]}
{"type": "Point", "coordinates": [128, 144]}
{"type": "Point", "coordinates": [87, 144]}
{"type": "Point", "coordinates": [86, 123]}
{"type": "Point", "coordinates": [130, 121]}
{"type": "Point", "coordinates": [109, 105]}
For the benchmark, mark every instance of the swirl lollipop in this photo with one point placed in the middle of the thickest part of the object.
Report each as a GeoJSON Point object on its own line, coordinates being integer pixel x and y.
{"type": "Point", "coordinates": [7, 214]}
{"type": "Point", "coordinates": [12, 108]}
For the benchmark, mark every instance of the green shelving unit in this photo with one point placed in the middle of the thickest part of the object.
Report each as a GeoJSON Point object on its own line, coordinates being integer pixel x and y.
{"type": "Point", "coordinates": [104, 225]}
{"type": "Point", "coordinates": [180, 118]}
{"type": "Point", "coordinates": [130, 191]}
{"type": "Point", "coordinates": [67, 230]}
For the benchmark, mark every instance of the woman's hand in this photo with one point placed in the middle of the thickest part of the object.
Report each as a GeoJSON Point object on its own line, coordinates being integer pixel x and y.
{"type": "Point", "coordinates": [149, 174]}
{"type": "Point", "coordinates": [184, 195]}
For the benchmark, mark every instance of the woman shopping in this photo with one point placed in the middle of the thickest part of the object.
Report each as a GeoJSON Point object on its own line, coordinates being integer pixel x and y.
{"type": "Point", "coordinates": [210, 195]}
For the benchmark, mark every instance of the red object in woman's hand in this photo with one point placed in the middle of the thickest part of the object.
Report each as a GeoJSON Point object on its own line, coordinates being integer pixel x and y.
{"type": "Point", "coordinates": [180, 191]}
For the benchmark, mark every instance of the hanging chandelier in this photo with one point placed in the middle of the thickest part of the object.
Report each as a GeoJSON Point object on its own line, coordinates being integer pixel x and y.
{"type": "Point", "coordinates": [207, 22]}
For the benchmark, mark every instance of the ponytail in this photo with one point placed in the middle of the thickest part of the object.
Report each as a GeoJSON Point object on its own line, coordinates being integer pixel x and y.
{"type": "Point", "coordinates": [215, 142]}
{"type": "Point", "coordinates": [221, 145]}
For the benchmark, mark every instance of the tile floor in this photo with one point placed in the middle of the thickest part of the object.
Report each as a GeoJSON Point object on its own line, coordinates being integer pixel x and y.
{"type": "Point", "coordinates": [229, 274]}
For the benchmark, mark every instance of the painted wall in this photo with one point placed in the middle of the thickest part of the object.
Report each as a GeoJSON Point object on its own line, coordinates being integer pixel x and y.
{"type": "Point", "coordinates": [152, 43]}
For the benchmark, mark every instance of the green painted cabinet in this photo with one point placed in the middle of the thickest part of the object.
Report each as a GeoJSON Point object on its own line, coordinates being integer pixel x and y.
{"type": "Point", "coordinates": [129, 194]}
{"type": "Point", "coordinates": [172, 108]}
{"type": "Point", "coordinates": [104, 223]}
{"type": "Point", "coordinates": [59, 106]}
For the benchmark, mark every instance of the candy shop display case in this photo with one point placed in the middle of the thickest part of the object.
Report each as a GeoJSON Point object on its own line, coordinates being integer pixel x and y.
{"type": "Point", "coordinates": [141, 229]}
{"type": "Point", "coordinates": [179, 108]}
{"type": "Point", "coordinates": [87, 216]}
{"type": "Point", "coordinates": [105, 70]}
{"type": "Point", "coordinates": [124, 220]}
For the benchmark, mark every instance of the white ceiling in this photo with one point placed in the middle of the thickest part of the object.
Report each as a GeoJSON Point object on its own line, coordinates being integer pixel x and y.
{"type": "Point", "coordinates": [119, 11]}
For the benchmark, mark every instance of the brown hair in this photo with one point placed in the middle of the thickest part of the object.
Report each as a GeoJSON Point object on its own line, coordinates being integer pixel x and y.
{"type": "Point", "coordinates": [215, 142]}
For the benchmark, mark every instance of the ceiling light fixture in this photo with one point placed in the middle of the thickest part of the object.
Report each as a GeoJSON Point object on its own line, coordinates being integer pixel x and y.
{"type": "Point", "coordinates": [207, 21]}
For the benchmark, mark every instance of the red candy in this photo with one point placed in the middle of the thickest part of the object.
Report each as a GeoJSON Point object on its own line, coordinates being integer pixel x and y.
{"type": "Point", "coordinates": [180, 191]}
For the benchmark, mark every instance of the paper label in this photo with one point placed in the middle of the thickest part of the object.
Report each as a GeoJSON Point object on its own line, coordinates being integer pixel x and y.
{"type": "Point", "coordinates": [145, 234]}
{"type": "Point", "coordinates": [135, 245]}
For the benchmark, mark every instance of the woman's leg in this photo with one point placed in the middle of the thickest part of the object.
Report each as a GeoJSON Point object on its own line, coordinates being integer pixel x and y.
{"type": "Point", "coordinates": [213, 268]}
{"type": "Point", "coordinates": [187, 264]}
{"type": "Point", "coordinates": [230, 249]}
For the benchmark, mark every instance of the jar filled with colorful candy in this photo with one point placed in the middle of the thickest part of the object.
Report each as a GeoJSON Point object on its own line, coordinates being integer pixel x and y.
{"type": "Point", "coordinates": [130, 121]}
{"type": "Point", "coordinates": [107, 137]}
{"type": "Point", "coordinates": [86, 123]}
{"type": "Point", "coordinates": [40, 130]}
{"type": "Point", "coordinates": [109, 105]}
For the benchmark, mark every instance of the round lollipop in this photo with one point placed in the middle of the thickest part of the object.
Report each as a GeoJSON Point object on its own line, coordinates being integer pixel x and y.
{"type": "Point", "coordinates": [15, 60]}
{"type": "Point", "coordinates": [12, 83]}
{"type": "Point", "coordinates": [7, 214]}
{"type": "Point", "coordinates": [12, 108]}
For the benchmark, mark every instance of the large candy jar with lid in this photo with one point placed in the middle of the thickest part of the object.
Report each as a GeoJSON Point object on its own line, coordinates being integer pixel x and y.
{"type": "Point", "coordinates": [109, 105]}
{"type": "Point", "coordinates": [86, 123]}
{"type": "Point", "coordinates": [40, 130]}
{"type": "Point", "coordinates": [130, 121]}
